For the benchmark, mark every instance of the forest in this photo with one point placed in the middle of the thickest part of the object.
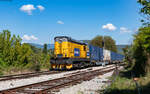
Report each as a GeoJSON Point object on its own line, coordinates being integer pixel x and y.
{"type": "Point", "coordinates": [18, 57]}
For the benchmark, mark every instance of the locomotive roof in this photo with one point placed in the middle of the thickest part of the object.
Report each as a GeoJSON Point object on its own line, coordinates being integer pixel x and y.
{"type": "Point", "coordinates": [71, 40]}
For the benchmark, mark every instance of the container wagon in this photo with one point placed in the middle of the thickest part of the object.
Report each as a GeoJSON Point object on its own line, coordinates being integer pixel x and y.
{"type": "Point", "coordinates": [107, 56]}
{"type": "Point", "coordinates": [96, 55]}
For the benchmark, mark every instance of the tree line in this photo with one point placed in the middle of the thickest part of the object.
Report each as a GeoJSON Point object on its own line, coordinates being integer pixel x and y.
{"type": "Point", "coordinates": [16, 56]}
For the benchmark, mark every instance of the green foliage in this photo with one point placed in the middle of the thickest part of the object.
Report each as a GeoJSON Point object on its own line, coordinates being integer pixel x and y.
{"type": "Point", "coordinates": [109, 43]}
{"type": "Point", "coordinates": [35, 67]}
{"type": "Point", "coordinates": [15, 56]}
{"type": "Point", "coordinates": [97, 41]}
{"type": "Point", "coordinates": [124, 84]}
{"type": "Point", "coordinates": [121, 84]}
{"type": "Point", "coordinates": [51, 53]}
{"type": "Point", "coordinates": [45, 49]}
{"type": "Point", "coordinates": [141, 48]}
{"type": "Point", "coordinates": [145, 6]}
{"type": "Point", "coordinates": [143, 38]}
{"type": "Point", "coordinates": [128, 53]}
{"type": "Point", "coordinates": [141, 42]}
{"type": "Point", "coordinates": [34, 49]}
{"type": "Point", "coordinates": [139, 54]}
{"type": "Point", "coordinates": [145, 11]}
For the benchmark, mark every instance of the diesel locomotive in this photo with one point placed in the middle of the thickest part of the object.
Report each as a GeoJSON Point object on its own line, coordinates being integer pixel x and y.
{"type": "Point", "coordinates": [69, 54]}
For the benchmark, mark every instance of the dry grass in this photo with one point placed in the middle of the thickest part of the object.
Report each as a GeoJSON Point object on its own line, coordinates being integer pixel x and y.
{"type": "Point", "coordinates": [124, 84]}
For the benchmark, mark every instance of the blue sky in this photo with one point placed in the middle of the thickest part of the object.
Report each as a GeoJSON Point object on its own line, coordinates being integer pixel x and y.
{"type": "Point", "coordinates": [39, 21]}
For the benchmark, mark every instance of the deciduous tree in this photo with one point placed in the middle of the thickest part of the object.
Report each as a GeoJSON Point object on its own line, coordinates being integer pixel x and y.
{"type": "Point", "coordinates": [107, 42]}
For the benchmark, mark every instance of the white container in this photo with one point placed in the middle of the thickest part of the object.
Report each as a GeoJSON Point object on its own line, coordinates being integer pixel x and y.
{"type": "Point", "coordinates": [107, 55]}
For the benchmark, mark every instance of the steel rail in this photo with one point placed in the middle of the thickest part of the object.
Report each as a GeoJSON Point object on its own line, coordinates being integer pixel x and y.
{"type": "Point", "coordinates": [26, 75]}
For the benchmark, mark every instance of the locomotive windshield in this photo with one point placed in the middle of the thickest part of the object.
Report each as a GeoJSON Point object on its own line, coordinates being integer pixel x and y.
{"type": "Point", "coordinates": [60, 39]}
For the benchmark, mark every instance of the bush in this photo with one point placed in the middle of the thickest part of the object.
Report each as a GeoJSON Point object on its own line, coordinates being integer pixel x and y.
{"type": "Point", "coordinates": [1, 73]}
{"type": "Point", "coordinates": [35, 67]}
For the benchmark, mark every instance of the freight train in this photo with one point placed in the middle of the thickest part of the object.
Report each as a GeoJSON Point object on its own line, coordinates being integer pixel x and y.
{"type": "Point", "coordinates": [70, 54]}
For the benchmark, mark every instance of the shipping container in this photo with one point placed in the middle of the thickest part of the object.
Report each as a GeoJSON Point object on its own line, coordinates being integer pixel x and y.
{"type": "Point", "coordinates": [116, 56]}
{"type": "Point", "coordinates": [101, 54]}
{"type": "Point", "coordinates": [120, 57]}
{"type": "Point", "coordinates": [107, 55]}
{"type": "Point", "coordinates": [113, 56]}
{"type": "Point", "coordinates": [94, 53]}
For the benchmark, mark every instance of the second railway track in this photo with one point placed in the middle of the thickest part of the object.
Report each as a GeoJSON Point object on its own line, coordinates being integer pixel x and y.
{"type": "Point", "coordinates": [26, 75]}
{"type": "Point", "coordinates": [50, 86]}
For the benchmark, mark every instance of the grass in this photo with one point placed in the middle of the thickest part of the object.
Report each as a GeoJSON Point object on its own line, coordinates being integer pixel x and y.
{"type": "Point", "coordinates": [124, 84]}
{"type": "Point", "coordinates": [9, 70]}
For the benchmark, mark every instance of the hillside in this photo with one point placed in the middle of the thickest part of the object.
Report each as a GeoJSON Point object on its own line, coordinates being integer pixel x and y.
{"type": "Point", "coordinates": [49, 46]}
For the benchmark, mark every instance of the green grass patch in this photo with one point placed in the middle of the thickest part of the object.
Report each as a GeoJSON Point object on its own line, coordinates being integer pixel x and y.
{"type": "Point", "coordinates": [124, 84]}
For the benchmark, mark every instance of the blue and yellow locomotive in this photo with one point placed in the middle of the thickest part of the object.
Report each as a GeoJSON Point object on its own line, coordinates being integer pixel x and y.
{"type": "Point", "coordinates": [69, 53]}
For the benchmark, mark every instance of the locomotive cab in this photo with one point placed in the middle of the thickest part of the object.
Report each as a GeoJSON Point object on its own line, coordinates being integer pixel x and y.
{"type": "Point", "coordinates": [61, 44]}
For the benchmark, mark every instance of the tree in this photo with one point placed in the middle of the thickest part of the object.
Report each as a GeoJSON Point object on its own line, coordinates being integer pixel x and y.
{"type": "Point", "coordinates": [141, 42]}
{"type": "Point", "coordinates": [15, 56]}
{"type": "Point", "coordinates": [12, 52]}
{"type": "Point", "coordinates": [109, 43]}
{"type": "Point", "coordinates": [97, 41]}
{"type": "Point", "coordinates": [25, 54]}
{"type": "Point", "coordinates": [45, 49]}
{"type": "Point", "coordinates": [141, 48]}
{"type": "Point", "coordinates": [6, 46]}
{"type": "Point", "coordinates": [145, 11]}
{"type": "Point", "coordinates": [128, 53]}
{"type": "Point", "coordinates": [35, 49]}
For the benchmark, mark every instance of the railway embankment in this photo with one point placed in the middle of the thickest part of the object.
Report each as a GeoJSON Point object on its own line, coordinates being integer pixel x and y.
{"type": "Point", "coordinates": [126, 83]}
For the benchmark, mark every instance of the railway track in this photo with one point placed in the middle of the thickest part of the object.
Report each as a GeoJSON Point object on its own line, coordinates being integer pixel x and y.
{"type": "Point", "coordinates": [50, 86]}
{"type": "Point", "coordinates": [26, 75]}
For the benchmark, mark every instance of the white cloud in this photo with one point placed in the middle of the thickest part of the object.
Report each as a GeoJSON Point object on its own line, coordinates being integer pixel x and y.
{"type": "Point", "coordinates": [60, 22]}
{"type": "Point", "coordinates": [32, 37]}
{"type": "Point", "coordinates": [124, 30]}
{"type": "Point", "coordinates": [109, 26]}
{"type": "Point", "coordinates": [28, 8]}
{"type": "Point", "coordinates": [41, 8]}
